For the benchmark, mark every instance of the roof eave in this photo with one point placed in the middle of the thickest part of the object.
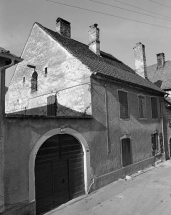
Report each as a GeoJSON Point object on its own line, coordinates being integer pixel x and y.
{"type": "Point", "coordinates": [132, 84]}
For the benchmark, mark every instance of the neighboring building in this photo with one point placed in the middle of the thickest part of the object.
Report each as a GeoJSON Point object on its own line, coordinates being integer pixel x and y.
{"type": "Point", "coordinates": [78, 119]}
{"type": "Point", "coordinates": [7, 60]}
{"type": "Point", "coordinates": [159, 74]}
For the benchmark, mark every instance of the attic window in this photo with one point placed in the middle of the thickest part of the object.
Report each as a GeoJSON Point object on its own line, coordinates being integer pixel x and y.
{"type": "Point", "coordinates": [45, 71]}
{"type": "Point", "coordinates": [34, 82]}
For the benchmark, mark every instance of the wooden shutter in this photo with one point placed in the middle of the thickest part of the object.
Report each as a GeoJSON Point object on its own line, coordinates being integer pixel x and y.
{"type": "Point", "coordinates": [154, 107]}
{"type": "Point", "coordinates": [51, 105]}
{"type": "Point", "coordinates": [123, 104]}
{"type": "Point", "coordinates": [141, 106]}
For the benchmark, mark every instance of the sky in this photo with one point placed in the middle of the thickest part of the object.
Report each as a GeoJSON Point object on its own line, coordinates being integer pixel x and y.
{"type": "Point", "coordinates": [118, 36]}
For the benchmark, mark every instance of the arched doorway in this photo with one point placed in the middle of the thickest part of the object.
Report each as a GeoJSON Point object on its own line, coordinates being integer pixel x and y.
{"type": "Point", "coordinates": [59, 172]}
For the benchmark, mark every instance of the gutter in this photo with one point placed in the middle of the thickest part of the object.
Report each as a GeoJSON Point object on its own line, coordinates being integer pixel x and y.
{"type": "Point", "coordinates": [133, 84]}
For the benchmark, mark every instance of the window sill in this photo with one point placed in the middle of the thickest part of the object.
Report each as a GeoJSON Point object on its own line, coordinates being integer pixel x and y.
{"type": "Point", "coordinates": [142, 118]}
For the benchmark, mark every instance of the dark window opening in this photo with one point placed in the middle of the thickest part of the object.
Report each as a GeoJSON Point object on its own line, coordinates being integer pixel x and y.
{"type": "Point", "coordinates": [34, 82]}
{"type": "Point", "coordinates": [126, 152]}
{"type": "Point", "coordinates": [123, 100]}
{"type": "Point", "coordinates": [45, 71]}
{"type": "Point", "coordinates": [154, 107]}
{"type": "Point", "coordinates": [51, 105]}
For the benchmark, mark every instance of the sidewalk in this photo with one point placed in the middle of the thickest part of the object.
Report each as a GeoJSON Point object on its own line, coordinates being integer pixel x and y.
{"type": "Point", "coordinates": [146, 193]}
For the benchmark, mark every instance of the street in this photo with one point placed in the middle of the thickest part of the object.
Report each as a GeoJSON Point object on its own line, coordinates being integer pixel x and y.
{"type": "Point", "coordinates": [146, 193]}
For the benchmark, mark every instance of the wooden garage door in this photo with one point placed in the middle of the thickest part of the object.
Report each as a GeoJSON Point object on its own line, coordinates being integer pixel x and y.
{"type": "Point", "coordinates": [59, 172]}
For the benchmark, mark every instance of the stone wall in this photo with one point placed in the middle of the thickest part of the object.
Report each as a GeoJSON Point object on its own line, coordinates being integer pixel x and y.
{"type": "Point", "coordinates": [66, 77]}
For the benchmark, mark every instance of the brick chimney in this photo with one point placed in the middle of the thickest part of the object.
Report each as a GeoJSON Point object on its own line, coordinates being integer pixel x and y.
{"type": "Point", "coordinates": [94, 39]}
{"type": "Point", "coordinates": [160, 60]}
{"type": "Point", "coordinates": [63, 27]}
{"type": "Point", "coordinates": [140, 60]}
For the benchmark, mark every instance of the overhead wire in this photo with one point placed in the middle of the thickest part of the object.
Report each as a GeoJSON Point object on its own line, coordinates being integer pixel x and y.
{"type": "Point", "coordinates": [111, 15]}
{"type": "Point", "coordinates": [121, 8]}
{"type": "Point", "coordinates": [133, 6]}
{"type": "Point", "coordinates": [160, 4]}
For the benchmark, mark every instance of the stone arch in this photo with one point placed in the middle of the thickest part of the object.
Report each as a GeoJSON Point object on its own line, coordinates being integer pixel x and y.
{"type": "Point", "coordinates": [35, 149]}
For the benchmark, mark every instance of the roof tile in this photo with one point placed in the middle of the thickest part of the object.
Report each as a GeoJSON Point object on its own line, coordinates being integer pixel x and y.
{"type": "Point", "coordinates": [105, 64]}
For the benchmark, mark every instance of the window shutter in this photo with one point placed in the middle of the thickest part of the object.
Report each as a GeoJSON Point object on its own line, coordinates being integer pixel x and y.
{"type": "Point", "coordinates": [141, 105]}
{"type": "Point", "coordinates": [154, 107]}
{"type": "Point", "coordinates": [123, 104]}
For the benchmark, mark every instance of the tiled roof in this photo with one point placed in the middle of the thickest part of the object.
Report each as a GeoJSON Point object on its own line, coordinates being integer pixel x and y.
{"type": "Point", "coordinates": [160, 76]}
{"type": "Point", "coordinates": [105, 65]}
{"type": "Point", "coordinates": [5, 53]}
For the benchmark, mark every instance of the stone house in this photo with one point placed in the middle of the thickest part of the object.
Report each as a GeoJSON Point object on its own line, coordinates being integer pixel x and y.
{"type": "Point", "coordinates": [76, 119]}
{"type": "Point", "coordinates": [159, 74]}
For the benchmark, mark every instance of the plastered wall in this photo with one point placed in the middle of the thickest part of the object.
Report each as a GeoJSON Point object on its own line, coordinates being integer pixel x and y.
{"type": "Point", "coordinates": [66, 77]}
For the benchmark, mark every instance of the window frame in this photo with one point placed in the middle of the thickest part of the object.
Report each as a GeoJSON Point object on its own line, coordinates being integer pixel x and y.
{"type": "Point", "coordinates": [144, 106]}
{"type": "Point", "coordinates": [128, 116]}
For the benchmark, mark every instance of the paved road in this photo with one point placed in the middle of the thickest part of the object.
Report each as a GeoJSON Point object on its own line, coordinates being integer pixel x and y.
{"type": "Point", "coordinates": [148, 193]}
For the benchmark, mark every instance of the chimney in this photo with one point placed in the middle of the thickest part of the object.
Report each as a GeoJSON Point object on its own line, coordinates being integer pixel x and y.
{"type": "Point", "coordinates": [160, 60]}
{"type": "Point", "coordinates": [140, 60]}
{"type": "Point", "coordinates": [63, 27]}
{"type": "Point", "coordinates": [94, 39]}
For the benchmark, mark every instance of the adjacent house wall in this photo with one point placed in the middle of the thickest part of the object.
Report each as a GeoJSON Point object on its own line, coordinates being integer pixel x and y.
{"type": "Point", "coordinates": [66, 77]}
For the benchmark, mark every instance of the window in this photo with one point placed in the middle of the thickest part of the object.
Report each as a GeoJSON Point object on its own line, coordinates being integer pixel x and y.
{"type": "Point", "coordinates": [34, 82]}
{"type": "Point", "coordinates": [24, 79]}
{"type": "Point", "coordinates": [123, 104]}
{"type": "Point", "coordinates": [45, 71]}
{"type": "Point", "coordinates": [126, 152]}
{"type": "Point", "coordinates": [142, 106]}
{"type": "Point", "coordinates": [154, 107]}
{"type": "Point", "coordinates": [51, 105]}
{"type": "Point", "coordinates": [157, 143]}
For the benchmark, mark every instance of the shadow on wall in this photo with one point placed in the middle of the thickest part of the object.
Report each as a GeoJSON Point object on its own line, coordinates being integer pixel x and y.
{"type": "Point", "coordinates": [52, 110]}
